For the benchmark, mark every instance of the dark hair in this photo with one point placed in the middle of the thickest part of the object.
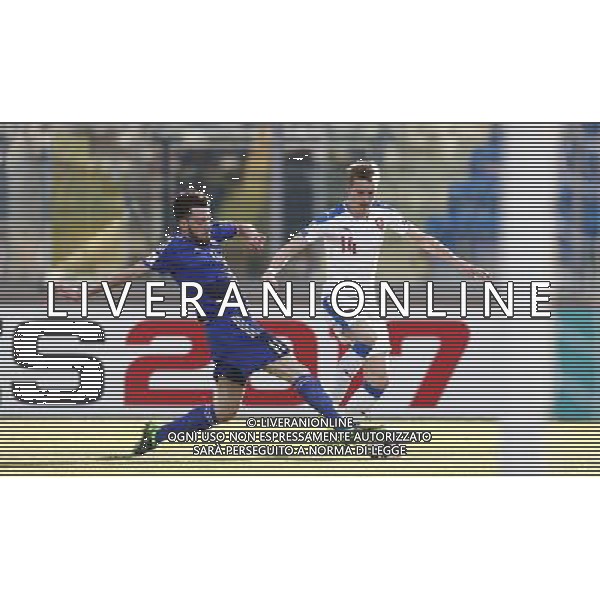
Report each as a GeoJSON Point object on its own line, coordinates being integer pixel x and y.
{"type": "Point", "coordinates": [183, 203]}
{"type": "Point", "coordinates": [363, 171]}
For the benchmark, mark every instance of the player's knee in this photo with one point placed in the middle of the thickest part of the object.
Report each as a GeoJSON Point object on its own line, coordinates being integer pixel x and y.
{"type": "Point", "coordinates": [375, 388]}
{"type": "Point", "coordinates": [377, 376]}
{"type": "Point", "coordinates": [290, 370]}
{"type": "Point", "coordinates": [383, 382]}
{"type": "Point", "coordinates": [230, 391]}
{"type": "Point", "coordinates": [226, 408]}
{"type": "Point", "coordinates": [226, 412]}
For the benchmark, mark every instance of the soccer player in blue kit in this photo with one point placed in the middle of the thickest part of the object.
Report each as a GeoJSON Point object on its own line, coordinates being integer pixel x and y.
{"type": "Point", "coordinates": [239, 345]}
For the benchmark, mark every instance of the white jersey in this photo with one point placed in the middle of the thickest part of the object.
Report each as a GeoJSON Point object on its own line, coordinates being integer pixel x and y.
{"type": "Point", "coordinates": [353, 245]}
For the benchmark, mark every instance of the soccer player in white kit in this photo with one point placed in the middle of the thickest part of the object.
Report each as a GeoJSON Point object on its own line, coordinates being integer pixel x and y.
{"type": "Point", "coordinates": [352, 234]}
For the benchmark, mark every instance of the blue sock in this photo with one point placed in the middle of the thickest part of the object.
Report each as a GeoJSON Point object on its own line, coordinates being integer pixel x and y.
{"type": "Point", "coordinates": [362, 349]}
{"type": "Point", "coordinates": [312, 391]}
{"type": "Point", "coordinates": [202, 417]}
{"type": "Point", "coordinates": [373, 390]}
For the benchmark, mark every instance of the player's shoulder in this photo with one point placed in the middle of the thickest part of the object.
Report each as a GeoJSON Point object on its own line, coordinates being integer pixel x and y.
{"type": "Point", "coordinates": [338, 210]}
{"type": "Point", "coordinates": [161, 250]}
{"type": "Point", "coordinates": [219, 225]}
{"type": "Point", "coordinates": [173, 241]}
{"type": "Point", "coordinates": [169, 240]}
{"type": "Point", "coordinates": [320, 225]}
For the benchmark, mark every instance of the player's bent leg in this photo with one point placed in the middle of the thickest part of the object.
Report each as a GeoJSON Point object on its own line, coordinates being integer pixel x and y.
{"type": "Point", "coordinates": [227, 402]}
{"type": "Point", "coordinates": [376, 375]}
{"type": "Point", "coordinates": [286, 368]}
{"type": "Point", "coordinates": [369, 350]}
{"type": "Point", "coordinates": [362, 339]}
{"type": "Point", "coordinates": [305, 383]}
{"type": "Point", "coordinates": [201, 417]}
{"type": "Point", "coordinates": [228, 399]}
{"type": "Point", "coordinates": [375, 383]}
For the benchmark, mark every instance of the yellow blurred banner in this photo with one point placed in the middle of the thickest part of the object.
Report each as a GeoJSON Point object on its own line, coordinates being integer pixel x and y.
{"type": "Point", "coordinates": [249, 202]}
{"type": "Point", "coordinates": [88, 208]}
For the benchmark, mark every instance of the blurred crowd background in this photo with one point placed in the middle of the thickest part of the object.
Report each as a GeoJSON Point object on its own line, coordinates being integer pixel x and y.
{"type": "Point", "coordinates": [81, 198]}
{"type": "Point", "coordinates": [78, 199]}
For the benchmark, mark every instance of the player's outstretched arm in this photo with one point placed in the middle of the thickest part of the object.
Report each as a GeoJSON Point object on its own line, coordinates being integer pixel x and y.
{"type": "Point", "coordinates": [253, 238]}
{"type": "Point", "coordinates": [70, 292]}
{"type": "Point", "coordinates": [283, 256]}
{"type": "Point", "coordinates": [434, 247]}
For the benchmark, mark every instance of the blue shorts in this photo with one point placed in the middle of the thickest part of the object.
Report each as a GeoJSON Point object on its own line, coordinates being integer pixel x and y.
{"type": "Point", "coordinates": [239, 346]}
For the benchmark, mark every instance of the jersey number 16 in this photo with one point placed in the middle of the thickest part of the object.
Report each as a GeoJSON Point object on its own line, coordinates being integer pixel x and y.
{"type": "Point", "coordinates": [348, 244]}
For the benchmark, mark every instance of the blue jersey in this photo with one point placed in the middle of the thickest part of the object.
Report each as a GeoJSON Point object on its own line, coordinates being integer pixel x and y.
{"type": "Point", "coordinates": [238, 345]}
{"type": "Point", "coordinates": [186, 259]}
